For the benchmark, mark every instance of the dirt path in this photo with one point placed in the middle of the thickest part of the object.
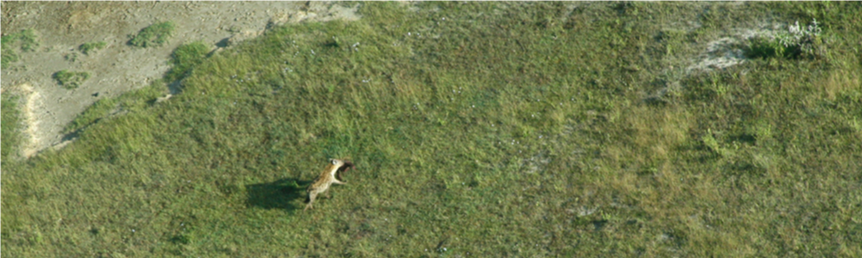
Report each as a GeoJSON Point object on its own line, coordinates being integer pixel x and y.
{"type": "Point", "coordinates": [63, 26]}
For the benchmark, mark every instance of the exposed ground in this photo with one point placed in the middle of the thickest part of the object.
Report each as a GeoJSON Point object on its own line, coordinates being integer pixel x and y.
{"type": "Point", "coordinates": [61, 27]}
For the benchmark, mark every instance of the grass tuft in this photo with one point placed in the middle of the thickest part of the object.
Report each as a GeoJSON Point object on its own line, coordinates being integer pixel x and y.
{"type": "Point", "coordinates": [86, 48]}
{"type": "Point", "coordinates": [185, 57]}
{"type": "Point", "coordinates": [8, 57]}
{"type": "Point", "coordinates": [153, 35]}
{"type": "Point", "coordinates": [25, 40]}
{"type": "Point", "coordinates": [70, 80]}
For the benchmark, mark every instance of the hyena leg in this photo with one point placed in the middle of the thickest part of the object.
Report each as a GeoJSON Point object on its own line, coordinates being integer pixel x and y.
{"type": "Point", "coordinates": [311, 197]}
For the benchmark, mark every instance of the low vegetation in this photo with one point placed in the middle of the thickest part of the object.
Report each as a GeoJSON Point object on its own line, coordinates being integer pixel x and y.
{"type": "Point", "coordinates": [100, 109]}
{"type": "Point", "coordinates": [11, 137]}
{"type": "Point", "coordinates": [796, 42]}
{"type": "Point", "coordinates": [153, 35]}
{"type": "Point", "coordinates": [86, 48]}
{"type": "Point", "coordinates": [185, 57]}
{"type": "Point", "coordinates": [71, 80]}
{"type": "Point", "coordinates": [71, 57]}
{"type": "Point", "coordinates": [106, 108]}
{"type": "Point", "coordinates": [24, 40]}
{"type": "Point", "coordinates": [478, 129]}
{"type": "Point", "coordinates": [8, 57]}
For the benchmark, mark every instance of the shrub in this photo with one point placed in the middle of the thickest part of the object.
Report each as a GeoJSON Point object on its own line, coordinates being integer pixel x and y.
{"type": "Point", "coordinates": [28, 40]}
{"type": "Point", "coordinates": [185, 57]}
{"type": "Point", "coordinates": [70, 80]}
{"type": "Point", "coordinates": [795, 43]}
{"type": "Point", "coordinates": [87, 47]}
{"type": "Point", "coordinates": [71, 57]}
{"type": "Point", "coordinates": [154, 35]}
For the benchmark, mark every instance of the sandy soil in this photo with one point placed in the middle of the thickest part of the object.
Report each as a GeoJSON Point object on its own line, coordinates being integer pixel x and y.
{"type": "Point", "coordinates": [63, 26]}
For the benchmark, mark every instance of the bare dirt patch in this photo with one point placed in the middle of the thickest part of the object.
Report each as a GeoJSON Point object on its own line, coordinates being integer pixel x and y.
{"type": "Point", "coordinates": [62, 27]}
{"type": "Point", "coordinates": [727, 51]}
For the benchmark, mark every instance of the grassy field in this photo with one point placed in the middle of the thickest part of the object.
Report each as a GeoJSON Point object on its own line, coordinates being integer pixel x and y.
{"type": "Point", "coordinates": [11, 137]}
{"type": "Point", "coordinates": [478, 129]}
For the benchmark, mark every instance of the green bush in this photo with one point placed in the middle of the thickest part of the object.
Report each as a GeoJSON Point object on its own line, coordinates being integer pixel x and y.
{"type": "Point", "coordinates": [87, 47]}
{"type": "Point", "coordinates": [71, 57]}
{"type": "Point", "coordinates": [185, 57]}
{"type": "Point", "coordinates": [28, 40]}
{"type": "Point", "coordinates": [763, 47]}
{"type": "Point", "coordinates": [70, 80]}
{"type": "Point", "coordinates": [154, 35]}
{"type": "Point", "coordinates": [797, 42]}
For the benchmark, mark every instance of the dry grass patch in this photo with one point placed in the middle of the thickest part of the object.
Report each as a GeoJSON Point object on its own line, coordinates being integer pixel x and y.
{"type": "Point", "coordinates": [656, 131]}
{"type": "Point", "coordinates": [840, 81]}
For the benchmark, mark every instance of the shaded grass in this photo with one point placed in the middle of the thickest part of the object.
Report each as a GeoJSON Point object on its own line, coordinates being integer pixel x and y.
{"type": "Point", "coordinates": [505, 129]}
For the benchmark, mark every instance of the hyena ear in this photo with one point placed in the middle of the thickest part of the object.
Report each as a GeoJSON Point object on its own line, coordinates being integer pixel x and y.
{"type": "Point", "coordinates": [333, 161]}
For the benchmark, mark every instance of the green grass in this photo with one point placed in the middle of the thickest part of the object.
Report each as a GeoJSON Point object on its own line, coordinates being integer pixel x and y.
{"type": "Point", "coordinates": [153, 35]}
{"type": "Point", "coordinates": [106, 108]}
{"type": "Point", "coordinates": [70, 80]}
{"type": "Point", "coordinates": [25, 40]}
{"type": "Point", "coordinates": [185, 57]}
{"type": "Point", "coordinates": [8, 57]}
{"type": "Point", "coordinates": [100, 109]}
{"type": "Point", "coordinates": [505, 129]}
{"type": "Point", "coordinates": [86, 48]}
{"type": "Point", "coordinates": [799, 41]}
{"type": "Point", "coordinates": [11, 137]}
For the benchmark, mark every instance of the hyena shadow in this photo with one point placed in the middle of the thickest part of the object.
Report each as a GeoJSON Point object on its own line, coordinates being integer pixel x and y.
{"type": "Point", "coordinates": [280, 194]}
